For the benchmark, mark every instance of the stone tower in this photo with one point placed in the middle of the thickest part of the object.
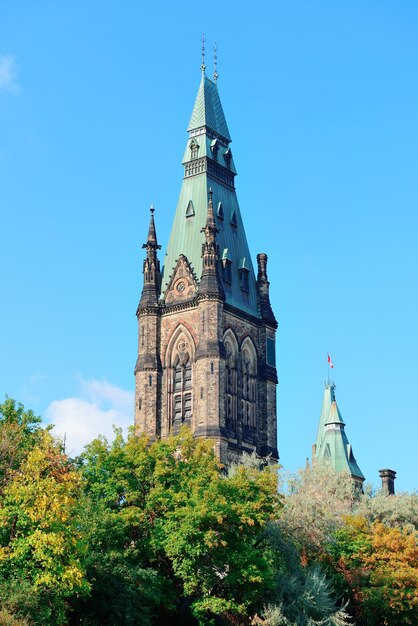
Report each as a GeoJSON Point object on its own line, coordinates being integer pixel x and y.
{"type": "Point", "coordinates": [331, 440]}
{"type": "Point", "coordinates": [206, 330]}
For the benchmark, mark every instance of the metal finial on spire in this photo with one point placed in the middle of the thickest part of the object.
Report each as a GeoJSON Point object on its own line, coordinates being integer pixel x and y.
{"type": "Point", "coordinates": [215, 63]}
{"type": "Point", "coordinates": [152, 209]}
{"type": "Point", "coordinates": [203, 66]}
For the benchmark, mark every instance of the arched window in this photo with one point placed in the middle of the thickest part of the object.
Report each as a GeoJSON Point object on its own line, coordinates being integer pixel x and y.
{"type": "Point", "coordinates": [249, 390]}
{"type": "Point", "coordinates": [231, 381]}
{"type": "Point", "coordinates": [182, 393]}
{"type": "Point", "coordinates": [194, 149]}
{"type": "Point", "coordinates": [179, 360]}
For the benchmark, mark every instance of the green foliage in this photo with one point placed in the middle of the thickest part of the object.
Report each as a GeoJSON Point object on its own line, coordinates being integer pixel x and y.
{"type": "Point", "coordinates": [20, 431]}
{"type": "Point", "coordinates": [400, 510]}
{"type": "Point", "coordinates": [138, 534]}
{"type": "Point", "coordinates": [380, 566]}
{"type": "Point", "coordinates": [41, 548]}
{"type": "Point", "coordinates": [318, 498]}
{"type": "Point", "coordinates": [7, 619]}
{"type": "Point", "coordinates": [191, 535]}
{"type": "Point", "coordinates": [302, 596]}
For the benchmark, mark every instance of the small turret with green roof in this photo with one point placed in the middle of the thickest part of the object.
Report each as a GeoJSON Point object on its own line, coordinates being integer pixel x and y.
{"type": "Point", "coordinates": [331, 440]}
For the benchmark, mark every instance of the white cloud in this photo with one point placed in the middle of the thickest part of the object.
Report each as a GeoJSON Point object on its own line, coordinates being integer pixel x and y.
{"type": "Point", "coordinates": [8, 73]}
{"type": "Point", "coordinates": [98, 408]}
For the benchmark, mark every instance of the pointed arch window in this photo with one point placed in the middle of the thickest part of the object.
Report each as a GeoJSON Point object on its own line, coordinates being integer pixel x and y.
{"type": "Point", "coordinates": [220, 211]}
{"type": "Point", "coordinates": [231, 382]}
{"type": "Point", "coordinates": [181, 388]}
{"type": "Point", "coordinates": [249, 391]}
{"type": "Point", "coordinates": [194, 149]}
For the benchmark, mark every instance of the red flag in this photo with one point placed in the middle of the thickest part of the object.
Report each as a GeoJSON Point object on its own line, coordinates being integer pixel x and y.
{"type": "Point", "coordinates": [330, 362]}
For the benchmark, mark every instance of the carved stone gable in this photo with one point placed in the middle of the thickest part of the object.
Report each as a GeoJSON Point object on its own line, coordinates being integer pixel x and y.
{"type": "Point", "coordinates": [183, 284]}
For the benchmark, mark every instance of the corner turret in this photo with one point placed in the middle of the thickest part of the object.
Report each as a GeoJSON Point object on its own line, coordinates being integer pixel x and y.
{"type": "Point", "coordinates": [331, 441]}
{"type": "Point", "coordinates": [151, 268]}
{"type": "Point", "coordinates": [210, 282]}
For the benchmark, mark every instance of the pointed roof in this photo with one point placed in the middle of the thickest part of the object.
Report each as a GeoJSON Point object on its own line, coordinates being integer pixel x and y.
{"type": "Point", "coordinates": [208, 110]}
{"type": "Point", "coordinates": [152, 234]}
{"type": "Point", "coordinates": [329, 397]}
{"type": "Point", "coordinates": [151, 267]}
{"type": "Point", "coordinates": [210, 282]}
{"type": "Point", "coordinates": [331, 439]}
{"type": "Point", "coordinates": [210, 165]}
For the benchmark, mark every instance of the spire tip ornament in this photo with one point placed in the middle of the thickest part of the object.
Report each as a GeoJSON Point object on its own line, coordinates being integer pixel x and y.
{"type": "Point", "coordinates": [215, 63]}
{"type": "Point", "coordinates": [203, 66]}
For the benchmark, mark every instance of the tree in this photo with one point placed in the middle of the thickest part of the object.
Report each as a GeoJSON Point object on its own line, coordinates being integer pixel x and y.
{"type": "Point", "coordinates": [380, 567]}
{"type": "Point", "coordinates": [303, 596]}
{"type": "Point", "coordinates": [41, 548]}
{"type": "Point", "coordinates": [20, 431]}
{"type": "Point", "coordinates": [181, 525]}
{"type": "Point", "coordinates": [395, 511]}
{"type": "Point", "coordinates": [318, 497]}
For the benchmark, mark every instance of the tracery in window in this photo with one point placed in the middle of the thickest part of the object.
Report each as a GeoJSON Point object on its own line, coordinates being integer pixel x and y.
{"type": "Point", "coordinates": [231, 380]}
{"type": "Point", "coordinates": [249, 390]}
{"type": "Point", "coordinates": [179, 371]}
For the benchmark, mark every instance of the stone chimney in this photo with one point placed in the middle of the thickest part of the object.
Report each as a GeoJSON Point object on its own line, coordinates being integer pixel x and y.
{"type": "Point", "coordinates": [388, 481]}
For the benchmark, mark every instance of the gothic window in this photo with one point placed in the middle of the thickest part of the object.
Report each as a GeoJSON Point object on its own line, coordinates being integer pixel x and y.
{"type": "Point", "coordinates": [181, 386]}
{"type": "Point", "coordinates": [249, 390]}
{"type": "Point", "coordinates": [220, 211]}
{"type": "Point", "coordinates": [231, 381]}
{"type": "Point", "coordinates": [233, 219]}
{"type": "Point", "coordinates": [194, 149]}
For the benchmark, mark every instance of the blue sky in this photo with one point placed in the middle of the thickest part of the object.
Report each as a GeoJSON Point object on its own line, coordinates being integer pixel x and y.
{"type": "Point", "coordinates": [321, 100]}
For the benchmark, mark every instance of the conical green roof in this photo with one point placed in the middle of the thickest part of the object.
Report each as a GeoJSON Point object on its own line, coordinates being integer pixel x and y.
{"type": "Point", "coordinates": [326, 405]}
{"type": "Point", "coordinates": [208, 164]}
{"type": "Point", "coordinates": [208, 110]}
{"type": "Point", "coordinates": [331, 439]}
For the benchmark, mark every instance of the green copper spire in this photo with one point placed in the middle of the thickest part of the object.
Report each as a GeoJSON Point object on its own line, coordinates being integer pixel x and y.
{"type": "Point", "coordinates": [208, 164]}
{"type": "Point", "coordinates": [208, 110]}
{"type": "Point", "coordinates": [331, 440]}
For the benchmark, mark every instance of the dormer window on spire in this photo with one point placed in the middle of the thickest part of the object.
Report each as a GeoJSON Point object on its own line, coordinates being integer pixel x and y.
{"type": "Point", "coordinates": [226, 266]}
{"type": "Point", "coordinates": [244, 274]}
{"type": "Point", "coordinates": [214, 146]}
{"type": "Point", "coordinates": [194, 149]}
{"type": "Point", "coordinates": [227, 158]}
